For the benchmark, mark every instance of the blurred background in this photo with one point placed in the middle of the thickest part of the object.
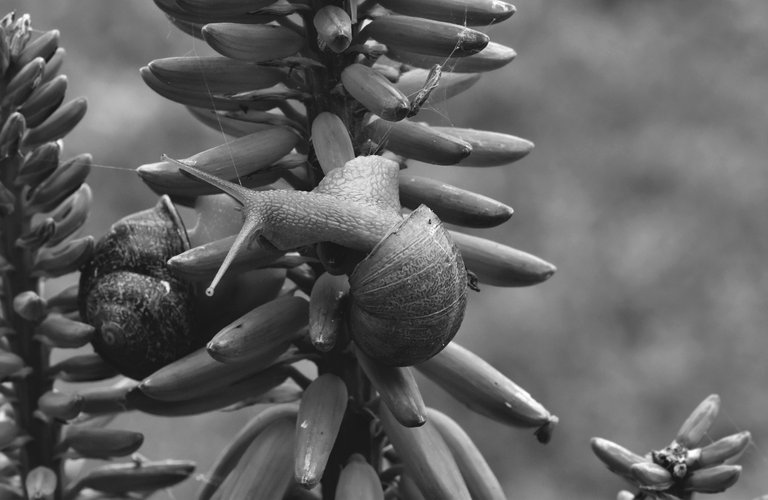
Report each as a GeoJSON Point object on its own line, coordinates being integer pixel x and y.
{"type": "Point", "coordinates": [648, 189]}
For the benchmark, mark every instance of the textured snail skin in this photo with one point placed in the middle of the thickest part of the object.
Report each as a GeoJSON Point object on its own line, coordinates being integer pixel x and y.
{"type": "Point", "coordinates": [296, 218]}
{"type": "Point", "coordinates": [408, 295]}
{"type": "Point", "coordinates": [143, 315]}
{"type": "Point", "coordinates": [353, 206]}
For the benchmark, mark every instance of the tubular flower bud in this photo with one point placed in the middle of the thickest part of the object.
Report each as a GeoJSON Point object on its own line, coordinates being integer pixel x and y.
{"type": "Point", "coordinates": [375, 92]}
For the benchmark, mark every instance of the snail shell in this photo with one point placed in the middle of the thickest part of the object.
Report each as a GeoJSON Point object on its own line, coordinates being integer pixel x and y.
{"type": "Point", "coordinates": [142, 314]}
{"type": "Point", "coordinates": [409, 294]}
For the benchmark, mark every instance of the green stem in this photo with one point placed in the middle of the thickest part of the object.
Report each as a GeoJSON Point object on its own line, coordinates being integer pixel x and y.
{"type": "Point", "coordinates": [357, 434]}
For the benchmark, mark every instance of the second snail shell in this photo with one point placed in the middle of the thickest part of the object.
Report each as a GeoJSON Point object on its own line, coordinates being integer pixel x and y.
{"type": "Point", "coordinates": [143, 315]}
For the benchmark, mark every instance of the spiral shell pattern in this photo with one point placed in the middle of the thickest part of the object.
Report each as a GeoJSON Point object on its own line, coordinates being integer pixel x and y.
{"type": "Point", "coordinates": [143, 315]}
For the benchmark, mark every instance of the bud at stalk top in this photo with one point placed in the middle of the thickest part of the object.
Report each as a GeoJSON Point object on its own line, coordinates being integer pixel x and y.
{"type": "Point", "coordinates": [334, 28]}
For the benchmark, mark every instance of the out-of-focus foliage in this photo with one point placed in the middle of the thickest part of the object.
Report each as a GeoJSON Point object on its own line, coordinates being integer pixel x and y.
{"type": "Point", "coordinates": [648, 189]}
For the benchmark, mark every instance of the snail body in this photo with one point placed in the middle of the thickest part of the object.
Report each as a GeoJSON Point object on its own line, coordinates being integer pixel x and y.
{"type": "Point", "coordinates": [407, 295]}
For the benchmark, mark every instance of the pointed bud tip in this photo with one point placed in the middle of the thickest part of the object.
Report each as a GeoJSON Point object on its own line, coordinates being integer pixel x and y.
{"type": "Point", "coordinates": [550, 272]}
{"type": "Point", "coordinates": [308, 480]}
{"type": "Point", "coordinates": [527, 146]}
{"type": "Point", "coordinates": [151, 66]}
{"type": "Point", "coordinates": [323, 344]}
{"type": "Point", "coordinates": [401, 112]}
{"type": "Point", "coordinates": [598, 442]}
{"type": "Point", "coordinates": [216, 351]}
{"type": "Point", "coordinates": [417, 421]}
{"type": "Point", "coordinates": [150, 170]}
{"type": "Point", "coordinates": [146, 383]}
{"type": "Point", "coordinates": [544, 433]}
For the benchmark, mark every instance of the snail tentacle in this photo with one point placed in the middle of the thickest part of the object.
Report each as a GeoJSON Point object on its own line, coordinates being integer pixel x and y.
{"type": "Point", "coordinates": [251, 225]}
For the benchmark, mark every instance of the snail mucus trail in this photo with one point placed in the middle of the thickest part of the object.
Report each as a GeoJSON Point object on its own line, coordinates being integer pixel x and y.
{"type": "Point", "coordinates": [408, 295]}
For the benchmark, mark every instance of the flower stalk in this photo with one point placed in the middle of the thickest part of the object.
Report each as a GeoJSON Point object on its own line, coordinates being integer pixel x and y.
{"type": "Point", "coordinates": [32, 124]}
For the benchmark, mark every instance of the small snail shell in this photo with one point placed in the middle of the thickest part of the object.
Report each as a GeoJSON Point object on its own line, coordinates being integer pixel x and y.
{"type": "Point", "coordinates": [408, 295]}
{"type": "Point", "coordinates": [143, 315]}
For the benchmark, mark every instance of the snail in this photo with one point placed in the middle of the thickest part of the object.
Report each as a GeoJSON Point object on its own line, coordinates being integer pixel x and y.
{"type": "Point", "coordinates": [408, 293]}
{"type": "Point", "coordinates": [144, 316]}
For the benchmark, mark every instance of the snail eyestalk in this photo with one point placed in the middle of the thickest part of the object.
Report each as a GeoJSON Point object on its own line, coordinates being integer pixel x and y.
{"type": "Point", "coordinates": [251, 225]}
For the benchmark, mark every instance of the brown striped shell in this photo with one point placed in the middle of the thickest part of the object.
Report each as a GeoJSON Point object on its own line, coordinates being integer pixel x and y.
{"type": "Point", "coordinates": [409, 294]}
{"type": "Point", "coordinates": [143, 315]}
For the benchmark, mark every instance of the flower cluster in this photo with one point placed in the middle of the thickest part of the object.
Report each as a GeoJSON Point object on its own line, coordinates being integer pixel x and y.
{"type": "Point", "coordinates": [684, 466]}
{"type": "Point", "coordinates": [327, 251]}
{"type": "Point", "coordinates": [320, 99]}
{"type": "Point", "coordinates": [43, 204]}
